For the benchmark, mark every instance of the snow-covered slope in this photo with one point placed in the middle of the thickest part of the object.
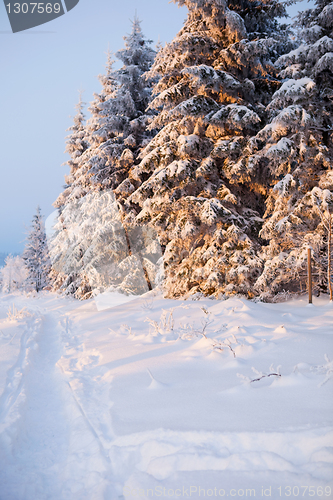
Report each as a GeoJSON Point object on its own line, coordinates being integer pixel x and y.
{"type": "Point", "coordinates": [161, 398]}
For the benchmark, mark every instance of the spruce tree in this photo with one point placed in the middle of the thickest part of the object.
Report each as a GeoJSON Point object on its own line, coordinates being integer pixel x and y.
{"type": "Point", "coordinates": [105, 148]}
{"type": "Point", "coordinates": [98, 253]}
{"type": "Point", "coordinates": [86, 144]}
{"type": "Point", "coordinates": [294, 152]}
{"type": "Point", "coordinates": [77, 144]}
{"type": "Point", "coordinates": [215, 79]}
{"type": "Point", "coordinates": [119, 122]}
{"type": "Point", "coordinates": [36, 255]}
{"type": "Point", "coordinates": [13, 275]}
{"type": "Point", "coordinates": [84, 242]}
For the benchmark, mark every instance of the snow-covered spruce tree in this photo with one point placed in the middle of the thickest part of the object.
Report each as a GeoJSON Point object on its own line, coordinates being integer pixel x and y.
{"type": "Point", "coordinates": [66, 243]}
{"type": "Point", "coordinates": [93, 136]}
{"type": "Point", "coordinates": [77, 144]}
{"type": "Point", "coordinates": [118, 126]}
{"type": "Point", "coordinates": [317, 205]}
{"type": "Point", "coordinates": [13, 275]}
{"type": "Point", "coordinates": [98, 254]}
{"type": "Point", "coordinates": [36, 255]}
{"type": "Point", "coordinates": [116, 132]}
{"type": "Point", "coordinates": [295, 153]}
{"type": "Point", "coordinates": [216, 77]}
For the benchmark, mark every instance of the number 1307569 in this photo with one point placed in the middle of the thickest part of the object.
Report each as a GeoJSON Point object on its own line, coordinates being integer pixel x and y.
{"type": "Point", "coordinates": [33, 8]}
{"type": "Point", "coordinates": [305, 491]}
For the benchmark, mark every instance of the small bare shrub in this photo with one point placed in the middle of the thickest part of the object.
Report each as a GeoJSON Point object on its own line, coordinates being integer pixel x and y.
{"type": "Point", "coordinates": [13, 313]}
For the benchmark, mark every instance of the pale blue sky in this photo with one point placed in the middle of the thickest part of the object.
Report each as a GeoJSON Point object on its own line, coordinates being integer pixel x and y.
{"type": "Point", "coordinates": [42, 71]}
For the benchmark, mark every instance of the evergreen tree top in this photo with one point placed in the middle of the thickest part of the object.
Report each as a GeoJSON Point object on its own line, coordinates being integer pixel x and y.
{"type": "Point", "coordinates": [79, 117]}
{"type": "Point", "coordinates": [35, 255]}
{"type": "Point", "coordinates": [109, 80]}
{"type": "Point", "coordinates": [37, 218]}
{"type": "Point", "coordinates": [137, 51]}
{"type": "Point", "coordinates": [76, 143]}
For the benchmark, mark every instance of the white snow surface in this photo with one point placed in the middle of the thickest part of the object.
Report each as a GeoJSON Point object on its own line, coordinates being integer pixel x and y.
{"type": "Point", "coordinates": [161, 398]}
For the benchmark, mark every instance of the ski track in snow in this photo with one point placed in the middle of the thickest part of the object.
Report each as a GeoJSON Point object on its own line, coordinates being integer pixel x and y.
{"type": "Point", "coordinates": [57, 438]}
{"type": "Point", "coordinates": [49, 449]}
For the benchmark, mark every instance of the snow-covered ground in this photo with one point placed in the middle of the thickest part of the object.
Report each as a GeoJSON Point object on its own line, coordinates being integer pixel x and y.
{"type": "Point", "coordinates": [165, 399]}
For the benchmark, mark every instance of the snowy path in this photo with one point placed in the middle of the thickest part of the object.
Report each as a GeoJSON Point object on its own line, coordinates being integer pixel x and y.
{"type": "Point", "coordinates": [46, 443]}
{"type": "Point", "coordinates": [96, 409]}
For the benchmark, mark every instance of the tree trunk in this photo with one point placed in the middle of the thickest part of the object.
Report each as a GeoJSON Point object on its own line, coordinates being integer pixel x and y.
{"type": "Point", "coordinates": [329, 250]}
{"type": "Point", "coordinates": [309, 276]}
{"type": "Point", "coordinates": [139, 256]}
